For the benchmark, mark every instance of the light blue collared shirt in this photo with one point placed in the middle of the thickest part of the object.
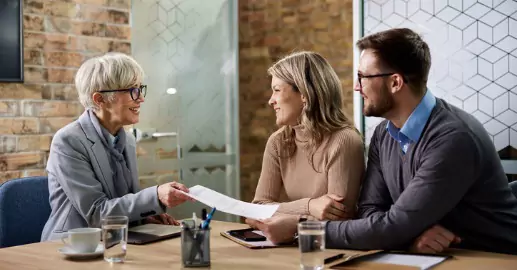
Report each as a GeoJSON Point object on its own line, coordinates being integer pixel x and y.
{"type": "Point", "coordinates": [412, 129]}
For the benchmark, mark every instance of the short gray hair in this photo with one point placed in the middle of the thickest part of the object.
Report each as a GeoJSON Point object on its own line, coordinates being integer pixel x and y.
{"type": "Point", "coordinates": [110, 71]}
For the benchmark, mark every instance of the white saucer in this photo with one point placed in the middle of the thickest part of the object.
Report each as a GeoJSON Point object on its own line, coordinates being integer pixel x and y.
{"type": "Point", "coordinates": [72, 254]}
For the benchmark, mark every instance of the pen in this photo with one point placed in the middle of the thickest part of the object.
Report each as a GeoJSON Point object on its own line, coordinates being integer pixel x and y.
{"type": "Point", "coordinates": [208, 219]}
{"type": "Point", "coordinates": [203, 214]}
{"type": "Point", "coordinates": [333, 258]}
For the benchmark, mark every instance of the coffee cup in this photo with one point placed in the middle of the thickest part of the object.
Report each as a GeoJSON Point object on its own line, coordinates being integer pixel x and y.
{"type": "Point", "coordinates": [82, 240]}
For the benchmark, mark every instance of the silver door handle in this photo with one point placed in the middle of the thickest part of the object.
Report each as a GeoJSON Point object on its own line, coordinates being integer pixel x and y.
{"type": "Point", "coordinates": [164, 134]}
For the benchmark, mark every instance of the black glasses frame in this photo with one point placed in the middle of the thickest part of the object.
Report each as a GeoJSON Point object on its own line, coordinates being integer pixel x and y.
{"type": "Point", "coordinates": [135, 92]}
{"type": "Point", "coordinates": [360, 77]}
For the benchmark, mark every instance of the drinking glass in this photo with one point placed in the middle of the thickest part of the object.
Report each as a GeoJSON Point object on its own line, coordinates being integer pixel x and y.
{"type": "Point", "coordinates": [311, 239]}
{"type": "Point", "coordinates": [114, 235]}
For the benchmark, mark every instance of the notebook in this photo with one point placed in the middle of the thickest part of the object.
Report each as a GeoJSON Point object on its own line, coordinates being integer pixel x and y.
{"type": "Point", "coordinates": [149, 233]}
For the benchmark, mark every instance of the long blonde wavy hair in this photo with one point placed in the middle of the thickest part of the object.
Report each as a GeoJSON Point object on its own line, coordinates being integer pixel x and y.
{"type": "Point", "coordinates": [312, 76]}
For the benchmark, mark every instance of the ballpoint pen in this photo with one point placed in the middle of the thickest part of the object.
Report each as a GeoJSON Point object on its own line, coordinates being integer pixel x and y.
{"type": "Point", "coordinates": [208, 219]}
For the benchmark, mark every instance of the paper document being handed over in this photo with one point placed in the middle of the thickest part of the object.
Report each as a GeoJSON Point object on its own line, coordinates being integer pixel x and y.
{"type": "Point", "coordinates": [229, 205]}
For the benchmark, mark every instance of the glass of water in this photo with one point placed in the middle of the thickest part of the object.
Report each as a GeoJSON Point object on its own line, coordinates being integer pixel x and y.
{"type": "Point", "coordinates": [311, 240]}
{"type": "Point", "coordinates": [114, 236]}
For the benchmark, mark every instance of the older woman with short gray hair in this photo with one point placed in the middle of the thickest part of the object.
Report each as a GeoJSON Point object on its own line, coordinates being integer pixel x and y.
{"type": "Point", "coordinates": [92, 169]}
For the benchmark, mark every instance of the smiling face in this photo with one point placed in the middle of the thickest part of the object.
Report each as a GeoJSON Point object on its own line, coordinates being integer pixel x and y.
{"type": "Point", "coordinates": [118, 110]}
{"type": "Point", "coordinates": [287, 103]}
{"type": "Point", "coordinates": [378, 99]}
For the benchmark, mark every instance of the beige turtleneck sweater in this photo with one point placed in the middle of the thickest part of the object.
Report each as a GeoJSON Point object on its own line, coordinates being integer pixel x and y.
{"type": "Point", "coordinates": [292, 182]}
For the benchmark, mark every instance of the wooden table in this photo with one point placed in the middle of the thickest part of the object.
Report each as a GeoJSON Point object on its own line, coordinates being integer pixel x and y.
{"type": "Point", "coordinates": [225, 254]}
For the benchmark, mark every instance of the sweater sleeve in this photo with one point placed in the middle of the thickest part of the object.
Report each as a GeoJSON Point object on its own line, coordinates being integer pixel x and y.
{"type": "Point", "coordinates": [448, 169]}
{"type": "Point", "coordinates": [346, 167]}
{"type": "Point", "coordinates": [375, 197]}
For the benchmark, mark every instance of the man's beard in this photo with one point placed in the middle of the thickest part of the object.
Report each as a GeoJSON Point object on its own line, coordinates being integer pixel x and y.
{"type": "Point", "coordinates": [384, 104]}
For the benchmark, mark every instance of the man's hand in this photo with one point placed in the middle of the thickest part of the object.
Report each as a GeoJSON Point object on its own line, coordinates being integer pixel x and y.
{"type": "Point", "coordinates": [169, 194]}
{"type": "Point", "coordinates": [328, 207]}
{"type": "Point", "coordinates": [435, 239]}
{"type": "Point", "coordinates": [164, 218]}
{"type": "Point", "coordinates": [278, 229]}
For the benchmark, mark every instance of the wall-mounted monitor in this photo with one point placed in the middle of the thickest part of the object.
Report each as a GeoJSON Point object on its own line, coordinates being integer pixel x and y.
{"type": "Point", "coordinates": [11, 41]}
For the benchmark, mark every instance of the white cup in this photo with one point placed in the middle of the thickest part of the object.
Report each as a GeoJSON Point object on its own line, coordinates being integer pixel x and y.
{"type": "Point", "coordinates": [83, 240]}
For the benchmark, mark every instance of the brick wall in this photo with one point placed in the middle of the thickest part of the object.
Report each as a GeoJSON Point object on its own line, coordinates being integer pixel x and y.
{"type": "Point", "coordinates": [268, 30]}
{"type": "Point", "coordinates": [58, 36]}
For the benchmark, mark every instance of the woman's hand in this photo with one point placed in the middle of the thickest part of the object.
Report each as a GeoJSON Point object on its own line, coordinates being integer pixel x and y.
{"type": "Point", "coordinates": [277, 229]}
{"type": "Point", "coordinates": [328, 207]}
{"type": "Point", "coordinates": [170, 194]}
{"type": "Point", "coordinates": [164, 218]}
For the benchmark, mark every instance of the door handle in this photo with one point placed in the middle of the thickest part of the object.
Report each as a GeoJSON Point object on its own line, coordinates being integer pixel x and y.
{"type": "Point", "coordinates": [150, 134]}
{"type": "Point", "coordinates": [164, 134]}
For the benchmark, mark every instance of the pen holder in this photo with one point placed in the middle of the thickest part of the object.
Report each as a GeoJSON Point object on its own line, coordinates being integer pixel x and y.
{"type": "Point", "coordinates": [195, 247]}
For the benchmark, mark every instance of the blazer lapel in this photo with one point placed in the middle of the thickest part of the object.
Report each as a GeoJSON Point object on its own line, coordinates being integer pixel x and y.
{"type": "Point", "coordinates": [99, 152]}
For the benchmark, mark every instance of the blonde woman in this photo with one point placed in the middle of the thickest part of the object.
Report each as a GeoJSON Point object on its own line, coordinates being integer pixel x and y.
{"type": "Point", "coordinates": [313, 165]}
{"type": "Point", "coordinates": [92, 169]}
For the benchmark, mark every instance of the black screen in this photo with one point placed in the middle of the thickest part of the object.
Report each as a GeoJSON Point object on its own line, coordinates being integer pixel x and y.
{"type": "Point", "coordinates": [11, 65]}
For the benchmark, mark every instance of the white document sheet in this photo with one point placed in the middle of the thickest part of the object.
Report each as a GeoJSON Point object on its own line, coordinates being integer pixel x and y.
{"type": "Point", "coordinates": [230, 205]}
{"type": "Point", "coordinates": [422, 261]}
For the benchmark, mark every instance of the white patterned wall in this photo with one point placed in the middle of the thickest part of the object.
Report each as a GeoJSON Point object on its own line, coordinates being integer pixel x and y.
{"type": "Point", "coordinates": [474, 53]}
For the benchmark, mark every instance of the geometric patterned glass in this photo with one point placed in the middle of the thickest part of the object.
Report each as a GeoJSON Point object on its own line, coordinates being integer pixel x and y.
{"type": "Point", "coordinates": [188, 49]}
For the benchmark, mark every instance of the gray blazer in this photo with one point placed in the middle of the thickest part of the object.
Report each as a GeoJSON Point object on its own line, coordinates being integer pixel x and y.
{"type": "Point", "coordinates": [81, 184]}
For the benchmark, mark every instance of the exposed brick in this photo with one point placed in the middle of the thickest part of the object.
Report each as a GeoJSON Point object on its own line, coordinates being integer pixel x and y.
{"type": "Point", "coordinates": [92, 2]}
{"type": "Point", "coordinates": [58, 25]}
{"type": "Point", "coordinates": [21, 161]}
{"type": "Point", "coordinates": [91, 44]}
{"type": "Point", "coordinates": [32, 22]}
{"type": "Point", "coordinates": [118, 31]}
{"type": "Point", "coordinates": [33, 6]}
{"type": "Point", "coordinates": [32, 57]}
{"type": "Point", "coordinates": [92, 13]}
{"type": "Point", "coordinates": [61, 8]}
{"type": "Point", "coordinates": [119, 17]}
{"type": "Point", "coordinates": [18, 125]}
{"type": "Point", "coordinates": [61, 92]}
{"type": "Point", "coordinates": [33, 40]}
{"type": "Point", "coordinates": [125, 4]}
{"type": "Point", "coordinates": [6, 176]}
{"type": "Point", "coordinates": [29, 173]}
{"type": "Point", "coordinates": [119, 46]}
{"type": "Point", "coordinates": [35, 75]}
{"type": "Point", "coordinates": [29, 143]}
{"type": "Point", "coordinates": [7, 144]}
{"type": "Point", "coordinates": [9, 108]}
{"type": "Point", "coordinates": [89, 29]}
{"type": "Point", "coordinates": [61, 75]}
{"type": "Point", "coordinates": [51, 108]}
{"type": "Point", "coordinates": [20, 91]}
{"type": "Point", "coordinates": [63, 59]}
{"type": "Point", "coordinates": [57, 41]}
{"type": "Point", "coordinates": [53, 124]}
